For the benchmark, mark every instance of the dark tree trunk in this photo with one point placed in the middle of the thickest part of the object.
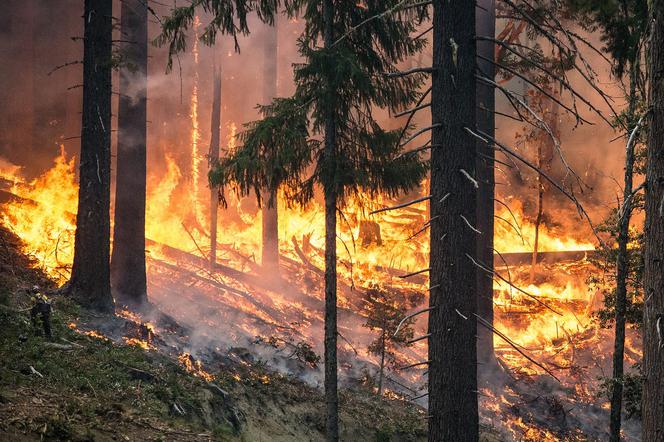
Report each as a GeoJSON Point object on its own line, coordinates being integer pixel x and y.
{"type": "Point", "coordinates": [128, 260]}
{"type": "Point", "coordinates": [331, 394]}
{"type": "Point", "coordinates": [653, 320]}
{"type": "Point", "coordinates": [270, 253]}
{"type": "Point", "coordinates": [545, 149]}
{"type": "Point", "coordinates": [90, 279]}
{"type": "Point", "coordinates": [452, 323]}
{"type": "Point", "coordinates": [215, 141]}
{"type": "Point", "coordinates": [382, 360]}
{"type": "Point", "coordinates": [540, 207]}
{"type": "Point", "coordinates": [73, 77]}
{"type": "Point", "coordinates": [622, 269]}
{"type": "Point", "coordinates": [486, 104]}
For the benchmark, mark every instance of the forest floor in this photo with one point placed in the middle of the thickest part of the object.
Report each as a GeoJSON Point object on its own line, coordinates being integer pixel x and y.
{"type": "Point", "coordinates": [84, 387]}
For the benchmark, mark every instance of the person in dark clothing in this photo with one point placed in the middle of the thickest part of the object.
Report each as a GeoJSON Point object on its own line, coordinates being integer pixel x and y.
{"type": "Point", "coordinates": [41, 310]}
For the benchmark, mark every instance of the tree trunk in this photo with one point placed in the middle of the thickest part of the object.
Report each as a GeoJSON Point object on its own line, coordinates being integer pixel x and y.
{"type": "Point", "coordinates": [215, 140]}
{"type": "Point", "coordinates": [653, 318]}
{"type": "Point", "coordinates": [270, 252]}
{"type": "Point", "coordinates": [128, 260]}
{"type": "Point", "coordinates": [486, 104]}
{"type": "Point", "coordinates": [622, 269]}
{"type": "Point", "coordinates": [452, 323]}
{"type": "Point", "coordinates": [90, 279]}
{"type": "Point", "coordinates": [331, 394]}
{"type": "Point", "coordinates": [382, 361]}
{"type": "Point", "coordinates": [540, 209]}
{"type": "Point", "coordinates": [74, 75]}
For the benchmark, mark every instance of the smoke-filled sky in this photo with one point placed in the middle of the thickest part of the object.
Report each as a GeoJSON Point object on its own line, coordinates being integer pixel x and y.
{"type": "Point", "coordinates": [41, 107]}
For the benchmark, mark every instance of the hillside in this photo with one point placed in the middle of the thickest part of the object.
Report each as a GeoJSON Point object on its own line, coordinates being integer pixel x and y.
{"type": "Point", "coordinates": [84, 386]}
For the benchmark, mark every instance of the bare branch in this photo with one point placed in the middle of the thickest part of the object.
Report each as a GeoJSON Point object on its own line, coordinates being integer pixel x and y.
{"type": "Point", "coordinates": [420, 132]}
{"type": "Point", "coordinates": [417, 70]}
{"type": "Point", "coordinates": [494, 273]}
{"type": "Point", "coordinates": [401, 206]}
{"type": "Point", "coordinates": [413, 110]}
{"type": "Point", "coordinates": [411, 315]}
{"type": "Point", "coordinates": [419, 272]}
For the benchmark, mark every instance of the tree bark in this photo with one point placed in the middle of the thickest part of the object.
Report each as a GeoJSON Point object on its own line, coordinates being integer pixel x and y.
{"type": "Point", "coordinates": [486, 104]}
{"type": "Point", "coordinates": [270, 252]}
{"type": "Point", "coordinates": [382, 360]}
{"type": "Point", "coordinates": [653, 318]}
{"type": "Point", "coordinates": [128, 260]}
{"type": "Point", "coordinates": [331, 394]}
{"type": "Point", "coordinates": [90, 278]}
{"type": "Point", "coordinates": [215, 141]}
{"type": "Point", "coordinates": [540, 208]}
{"type": "Point", "coordinates": [452, 323]}
{"type": "Point", "coordinates": [622, 269]}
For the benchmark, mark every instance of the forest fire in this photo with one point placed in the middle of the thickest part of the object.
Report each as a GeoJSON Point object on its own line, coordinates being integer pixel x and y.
{"type": "Point", "coordinates": [548, 318]}
{"type": "Point", "coordinates": [408, 202]}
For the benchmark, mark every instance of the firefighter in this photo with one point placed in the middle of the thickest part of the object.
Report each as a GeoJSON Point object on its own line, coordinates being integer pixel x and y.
{"type": "Point", "coordinates": [41, 310]}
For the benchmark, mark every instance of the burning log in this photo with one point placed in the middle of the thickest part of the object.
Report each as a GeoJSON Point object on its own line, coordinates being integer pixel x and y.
{"type": "Point", "coordinates": [304, 258]}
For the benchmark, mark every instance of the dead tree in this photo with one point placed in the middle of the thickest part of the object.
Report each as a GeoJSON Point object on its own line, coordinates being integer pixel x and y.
{"type": "Point", "coordinates": [454, 237]}
{"type": "Point", "coordinates": [90, 281]}
{"type": "Point", "coordinates": [653, 319]}
{"type": "Point", "coordinates": [128, 260]}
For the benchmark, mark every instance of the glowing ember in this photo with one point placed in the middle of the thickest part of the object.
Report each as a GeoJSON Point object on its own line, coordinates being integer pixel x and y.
{"type": "Point", "coordinates": [141, 343]}
{"type": "Point", "coordinates": [194, 367]}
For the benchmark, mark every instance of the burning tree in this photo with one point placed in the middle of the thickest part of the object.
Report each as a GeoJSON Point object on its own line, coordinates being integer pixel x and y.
{"type": "Point", "coordinates": [384, 312]}
{"type": "Point", "coordinates": [90, 277]}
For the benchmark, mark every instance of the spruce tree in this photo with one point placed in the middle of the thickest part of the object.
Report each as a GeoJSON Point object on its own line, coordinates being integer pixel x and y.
{"type": "Point", "coordinates": [337, 88]}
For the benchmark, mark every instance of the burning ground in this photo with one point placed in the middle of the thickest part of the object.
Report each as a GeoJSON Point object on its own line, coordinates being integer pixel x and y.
{"type": "Point", "coordinates": [233, 317]}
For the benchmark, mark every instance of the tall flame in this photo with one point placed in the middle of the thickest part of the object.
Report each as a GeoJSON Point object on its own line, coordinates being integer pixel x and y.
{"type": "Point", "coordinates": [43, 215]}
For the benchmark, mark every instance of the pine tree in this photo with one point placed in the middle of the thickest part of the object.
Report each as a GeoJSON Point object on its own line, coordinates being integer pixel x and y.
{"type": "Point", "coordinates": [90, 279]}
{"type": "Point", "coordinates": [653, 317]}
{"type": "Point", "coordinates": [128, 260]}
{"type": "Point", "coordinates": [336, 89]}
